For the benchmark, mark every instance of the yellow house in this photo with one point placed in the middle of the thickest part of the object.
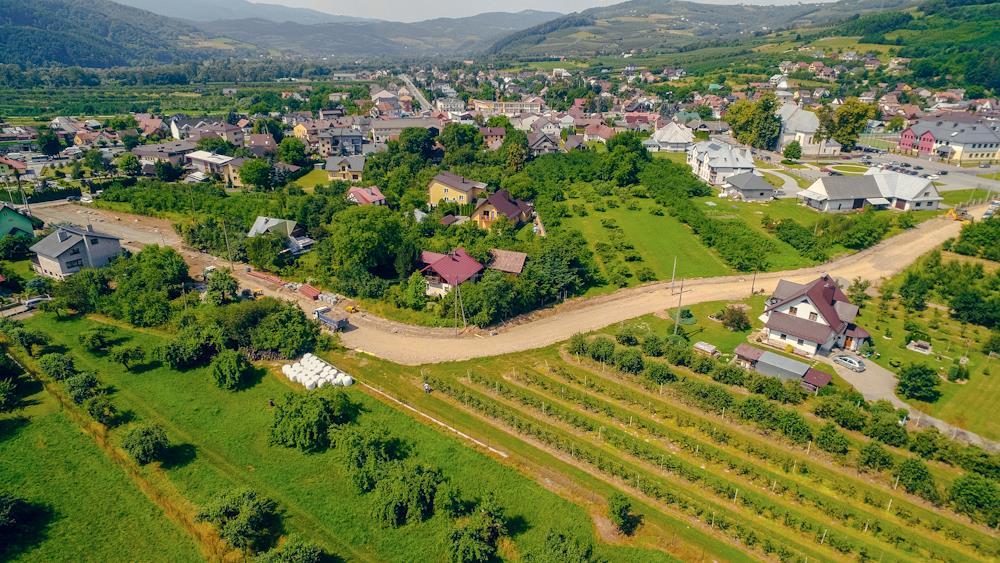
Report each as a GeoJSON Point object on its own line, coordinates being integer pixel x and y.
{"type": "Point", "coordinates": [231, 173]}
{"type": "Point", "coordinates": [301, 132]}
{"type": "Point", "coordinates": [500, 204]}
{"type": "Point", "coordinates": [453, 188]}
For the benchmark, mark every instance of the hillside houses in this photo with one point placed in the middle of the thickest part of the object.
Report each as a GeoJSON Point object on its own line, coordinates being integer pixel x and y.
{"type": "Point", "coordinates": [813, 318]}
{"type": "Point", "coordinates": [69, 249]}
{"type": "Point", "coordinates": [876, 188]}
{"type": "Point", "coordinates": [955, 138]}
{"type": "Point", "coordinates": [799, 124]}
{"type": "Point", "coordinates": [714, 161]}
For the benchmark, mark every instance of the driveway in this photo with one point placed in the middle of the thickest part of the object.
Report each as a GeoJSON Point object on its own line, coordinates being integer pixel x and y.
{"type": "Point", "coordinates": [878, 383]}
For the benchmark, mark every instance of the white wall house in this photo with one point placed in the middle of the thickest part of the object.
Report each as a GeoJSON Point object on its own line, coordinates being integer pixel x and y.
{"type": "Point", "coordinates": [810, 319]}
{"type": "Point", "coordinates": [714, 161]}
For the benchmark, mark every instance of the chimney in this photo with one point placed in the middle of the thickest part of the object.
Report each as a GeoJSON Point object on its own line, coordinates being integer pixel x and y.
{"type": "Point", "coordinates": [90, 228]}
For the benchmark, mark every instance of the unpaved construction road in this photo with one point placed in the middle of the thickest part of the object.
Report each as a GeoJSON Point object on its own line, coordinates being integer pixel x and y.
{"type": "Point", "coordinates": [411, 345]}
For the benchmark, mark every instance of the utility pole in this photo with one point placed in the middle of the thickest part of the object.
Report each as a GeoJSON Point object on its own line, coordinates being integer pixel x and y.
{"type": "Point", "coordinates": [673, 276]}
{"type": "Point", "coordinates": [677, 318]}
{"type": "Point", "coordinates": [753, 282]}
{"type": "Point", "coordinates": [229, 251]}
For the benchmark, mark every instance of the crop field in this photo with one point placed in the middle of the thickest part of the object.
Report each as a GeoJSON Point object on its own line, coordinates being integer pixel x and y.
{"type": "Point", "coordinates": [220, 440]}
{"type": "Point", "coordinates": [743, 492]}
{"type": "Point", "coordinates": [85, 503]}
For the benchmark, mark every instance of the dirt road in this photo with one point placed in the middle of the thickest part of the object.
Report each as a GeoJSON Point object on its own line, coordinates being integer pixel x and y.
{"type": "Point", "coordinates": [413, 345]}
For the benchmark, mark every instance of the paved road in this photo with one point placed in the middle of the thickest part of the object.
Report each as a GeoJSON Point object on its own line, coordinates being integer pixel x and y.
{"type": "Point", "coordinates": [424, 104]}
{"type": "Point", "coordinates": [877, 382]}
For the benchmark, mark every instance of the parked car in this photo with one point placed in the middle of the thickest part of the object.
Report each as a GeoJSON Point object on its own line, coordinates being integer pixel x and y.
{"type": "Point", "coordinates": [918, 167]}
{"type": "Point", "coordinates": [984, 165]}
{"type": "Point", "coordinates": [943, 172]}
{"type": "Point", "coordinates": [933, 176]}
{"type": "Point", "coordinates": [850, 363]}
{"type": "Point", "coordinates": [35, 301]}
{"type": "Point", "coordinates": [73, 198]}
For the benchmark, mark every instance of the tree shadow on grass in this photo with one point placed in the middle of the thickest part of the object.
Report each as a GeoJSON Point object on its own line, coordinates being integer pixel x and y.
{"type": "Point", "coordinates": [139, 369]}
{"type": "Point", "coordinates": [252, 378]}
{"type": "Point", "coordinates": [31, 528]}
{"type": "Point", "coordinates": [11, 427]}
{"type": "Point", "coordinates": [178, 455]}
{"type": "Point", "coordinates": [517, 525]}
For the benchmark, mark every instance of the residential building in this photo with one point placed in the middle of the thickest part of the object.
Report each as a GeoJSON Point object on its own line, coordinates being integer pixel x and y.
{"type": "Point", "coordinates": [798, 124]}
{"type": "Point", "coordinates": [346, 168]}
{"type": "Point", "coordinates": [493, 137]}
{"type": "Point", "coordinates": [714, 161]}
{"type": "Point", "coordinates": [261, 144]}
{"type": "Point", "coordinates": [510, 109]}
{"type": "Point", "coordinates": [672, 137]}
{"type": "Point", "coordinates": [775, 365]}
{"type": "Point", "coordinates": [598, 132]}
{"type": "Point", "coordinates": [748, 187]}
{"type": "Point", "coordinates": [69, 249]}
{"type": "Point", "coordinates": [542, 143]}
{"type": "Point", "coordinates": [339, 141]}
{"type": "Point", "coordinates": [208, 162]}
{"type": "Point", "coordinates": [955, 138]}
{"type": "Point", "coordinates": [366, 196]}
{"type": "Point", "coordinates": [181, 125]}
{"type": "Point", "coordinates": [811, 318]}
{"type": "Point", "coordinates": [9, 166]}
{"type": "Point", "coordinates": [456, 105]}
{"type": "Point", "coordinates": [385, 130]}
{"type": "Point", "coordinates": [13, 222]}
{"type": "Point", "coordinates": [500, 204]}
{"type": "Point", "coordinates": [450, 187]}
{"type": "Point", "coordinates": [876, 188]}
{"type": "Point", "coordinates": [232, 134]}
{"type": "Point", "coordinates": [444, 272]}
{"type": "Point", "coordinates": [172, 152]}
{"type": "Point", "coordinates": [296, 242]}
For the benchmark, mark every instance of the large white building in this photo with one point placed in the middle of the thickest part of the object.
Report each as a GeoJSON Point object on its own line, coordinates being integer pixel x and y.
{"type": "Point", "coordinates": [714, 161]}
{"type": "Point", "coordinates": [798, 124]}
{"type": "Point", "coordinates": [672, 137]}
{"type": "Point", "coordinates": [876, 188]}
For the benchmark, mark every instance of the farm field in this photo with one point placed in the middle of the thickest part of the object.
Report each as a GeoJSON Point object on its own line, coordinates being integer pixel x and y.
{"type": "Point", "coordinates": [88, 504]}
{"type": "Point", "coordinates": [224, 437]}
{"type": "Point", "coordinates": [674, 460]}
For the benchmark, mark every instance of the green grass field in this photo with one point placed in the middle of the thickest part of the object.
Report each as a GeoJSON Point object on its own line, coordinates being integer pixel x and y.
{"type": "Point", "coordinates": [990, 176]}
{"type": "Point", "coordinates": [312, 179]}
{"type": "Point", "coordinates": [95, 512]}
{"type": "Point", "coordinates": [657, 238]}
{"type": "Point", "coordinates": [225, 437]}
{"type": "Point", "coordinates": [958, 197]}
{"type": "Point", "coordinates": [850, 169]}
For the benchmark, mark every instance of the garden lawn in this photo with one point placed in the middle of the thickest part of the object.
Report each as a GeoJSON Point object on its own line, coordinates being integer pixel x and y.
{"type": "Point", "coordinates": [657, 238]}
{"type": "Point", "coordinates": [23, 269]}
{"type": "Point", "coordinates": [95, 512]}
{"type": "Point", "coordinates": [970, 405]}
{"type": "Point", "coordinates": [961, 197]}
{"type": "Point", "coordinates": [851, 169]}
{"type": "Point", "coordinates": [312, 179]}
{"type": "Point", "coordinates": [678, 157]}
{"type": "Point", "coordinates": [226, 435]}
{"type": "Point", "coordinates": [990, 176]}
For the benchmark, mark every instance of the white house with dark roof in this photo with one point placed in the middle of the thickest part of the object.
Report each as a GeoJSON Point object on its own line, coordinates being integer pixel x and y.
{"type": "Point", "coordinates": [811, 318]}
{"type": "Point", "coordinates": [69, 249]}
{"type": "Point", "coordinates": [882, 190]}
{"type": "Point", "coordinates": [672, 137]}
{"type": "Point", "coordinates": [296, 243]}
{"type": "Point", "coordinates": [714, 161]}
{"type": "Point", "coordinates": [748, 187]}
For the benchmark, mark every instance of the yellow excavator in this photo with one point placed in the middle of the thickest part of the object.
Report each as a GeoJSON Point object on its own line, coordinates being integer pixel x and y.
{"type": "Point", "coordinates": [958, 214]}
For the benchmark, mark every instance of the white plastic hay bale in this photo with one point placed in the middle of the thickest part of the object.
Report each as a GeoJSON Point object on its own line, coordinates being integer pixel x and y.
{"type": "Point", "coordinates": [348, 380]}
{"type": "Point", "coordinates": [286, 369]}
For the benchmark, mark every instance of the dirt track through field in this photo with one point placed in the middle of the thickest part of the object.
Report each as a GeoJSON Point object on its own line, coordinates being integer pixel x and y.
{"type": "Point", "coordinates": [413, 345]}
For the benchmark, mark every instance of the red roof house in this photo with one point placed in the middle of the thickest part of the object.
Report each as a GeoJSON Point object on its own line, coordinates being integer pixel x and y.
{"type": "Point", "coordinates": [446, 271]}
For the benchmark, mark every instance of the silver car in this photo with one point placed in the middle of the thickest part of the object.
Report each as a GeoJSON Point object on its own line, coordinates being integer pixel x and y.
{"type": "Point", "coordinates": [850, 363]}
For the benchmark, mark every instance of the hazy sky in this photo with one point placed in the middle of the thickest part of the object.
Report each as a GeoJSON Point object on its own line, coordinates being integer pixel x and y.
{"type": "Point", "coordinates": [415, 10]}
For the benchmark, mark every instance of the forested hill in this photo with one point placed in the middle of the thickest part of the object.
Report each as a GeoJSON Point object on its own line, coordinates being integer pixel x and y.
{"type": "Point", "coordinates": [96, 33]}
{"type": "Point", "coordinates": [662, 25]}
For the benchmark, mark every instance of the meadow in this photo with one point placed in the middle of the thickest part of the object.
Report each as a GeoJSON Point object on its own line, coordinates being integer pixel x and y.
{"type": "Point", "coordinates": [87, 504]}
{"type": "Point", "coordinates": [221, 440]}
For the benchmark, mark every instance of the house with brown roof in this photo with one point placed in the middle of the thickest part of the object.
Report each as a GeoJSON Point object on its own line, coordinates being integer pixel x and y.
{"type": "Point", "coordinates": [542, 143]}
{"type": "Point", "coordinates": [451, 187]}
{"type": "Point", "coordinates": [811, 318]}
{"type": "Point", "coordinates": [598, 132]}
{"type": "Point", "coordinates": [493, 137]}
{"type": "Point", "coordinates": [500, 204]}
{"type": "Point", "coordinates": [507, 261]}
{"type": "Point", "coordinates": [444, 272]}
{"type": "Point", "coordinates": [261, 144]}
{"type": "Point", "coordinates": [366, 196]}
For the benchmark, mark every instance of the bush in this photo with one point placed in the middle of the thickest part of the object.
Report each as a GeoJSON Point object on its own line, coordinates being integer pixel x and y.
{"type": "Point", "coordinates": [127, 355]}
{"type": "Point", "coordinates": [228, 369]}
{"type": "Point", "coordinates": [101, 409]}
{"type": "Point", "coordinates": [831, 440]}
{"type": "Point", "coordinates": [629, 360]}
{"type": "Point", "coordinates": [601, 349]}
{"type": "Point", "coordinates": [920, 382]}
{"type": "Point", "coordinates": [621, 515]}
{"type": "Point", "coordinates": [294, 550]}
{"type": "Point", "coordinates": [653, 345]}
{"type": "Point", "coordinates": [303, 421]}
{"type": "Point", "coordinates": [976, 496]}
{"type": "Point", "coordinates": [578, 344]}
{"type": "Point", "coordinates": [875, 457]}
{"type": "Point", "coordinates": [627, 336]}
{"type": "Point", "coordinates": [916, 479]}
{"type": "Point", "coordinates": [97, 339]}
{"type": "Point", "coordinates": [659, 372]}
{"type": "Point", "coordinates": [404, 494]}
{"type": "Point", "coordinates": [735, 318]}
{"type": "Point", "coordinates": [561, 548]}
{"type": "Point", "coordinates": [57, 366]}
{"type": "Point", "coordinates": [146, 443]}
{"type": "Point", "coordinates": [82, 386]}
{"type": "Point", "coordinates": [8, 394]}
{"type": "Point", "coordinates": [245, 519]}
{"type": "Point", "coordinates": [366, 451]}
